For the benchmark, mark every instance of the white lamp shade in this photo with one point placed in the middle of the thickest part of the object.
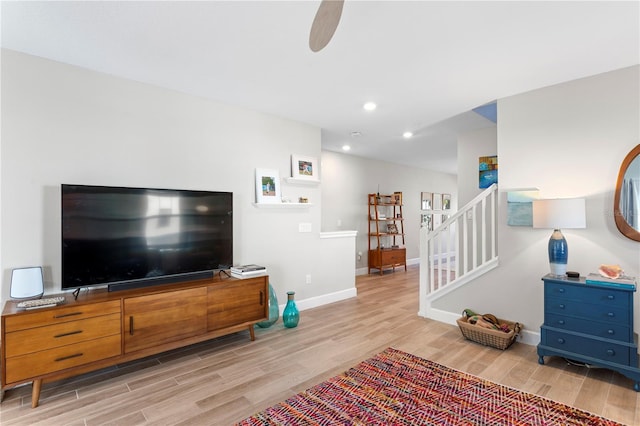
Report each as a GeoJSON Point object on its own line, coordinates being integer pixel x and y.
{"type": "Point", "coordinates": [561, 213]}
{"type": "Point", "coordinates": [26, 283]}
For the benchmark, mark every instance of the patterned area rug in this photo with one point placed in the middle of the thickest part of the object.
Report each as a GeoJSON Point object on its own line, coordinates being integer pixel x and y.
{"type": "Point", "coordinates": [397, 388]}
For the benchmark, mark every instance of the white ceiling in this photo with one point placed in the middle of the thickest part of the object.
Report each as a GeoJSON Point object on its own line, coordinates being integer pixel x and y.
{"type": "Point", "coordinates": [422, 62]}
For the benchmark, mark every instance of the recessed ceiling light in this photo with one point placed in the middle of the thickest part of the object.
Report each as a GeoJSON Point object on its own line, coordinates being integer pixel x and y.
{"type": "Point", "coordinates": [407, 135]}
{"type": "Point", "coordinates": [346, 147]}
{"type": "Point", "coordinates": [370, 106]}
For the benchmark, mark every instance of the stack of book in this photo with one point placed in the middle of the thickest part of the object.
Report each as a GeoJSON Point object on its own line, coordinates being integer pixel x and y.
{"type": "Point", "coordinates": [248, 271]}
{"type": "Point", "coordinates": [621, 282]}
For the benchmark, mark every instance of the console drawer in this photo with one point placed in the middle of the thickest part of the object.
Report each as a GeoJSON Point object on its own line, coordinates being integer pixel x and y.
{"type": "Point", "coordinates": [68, 333]}
{"type": "Point", "coordinates": [600, 349]}
{"type": "Point", "coordinates": [586, 293]}
{"type": "Point", "coordinates": [612, 330]}
{"type": "Point", "coordinates": [24, 367]}
{"type": "Point", "coordinates": [588, 311]}
{"type": "Point", "coordinates": [60, 314]}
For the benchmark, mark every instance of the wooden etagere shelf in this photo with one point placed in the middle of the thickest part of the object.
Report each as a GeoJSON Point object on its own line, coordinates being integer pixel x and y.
{"type": "Point", "coordinates": [386, 232]}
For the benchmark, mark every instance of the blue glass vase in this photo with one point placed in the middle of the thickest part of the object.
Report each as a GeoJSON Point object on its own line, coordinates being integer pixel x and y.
{"type": "Point", "coordinates": [290, 315]}
{"type": "Point", "coordinates": [558, 253]}
{"type": "Point", "coordinates": [274, 311]}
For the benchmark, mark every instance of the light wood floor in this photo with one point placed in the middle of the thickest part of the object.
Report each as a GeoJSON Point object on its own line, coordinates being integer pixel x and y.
{"type": "Point", "coordinates": [227, 379]}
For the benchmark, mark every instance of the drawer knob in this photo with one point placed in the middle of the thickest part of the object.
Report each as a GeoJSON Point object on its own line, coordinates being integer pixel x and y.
{"type": "Point", "coordinates": [611, 297]}
{"type": "Point", "coordinates": [611, 314]}
{"type": "Point", "coordinates": [611, 332]}
{"type": "Point", "coordinates": [561, 322]}
{"type": "Point", "coordinates": [561, 306]}
{"type": "Point", "coordinates": [561, 340]}
{"type": "Point", "coordinates": [561, 290]}
{"type": "Point", "coordinates": [611, 352]}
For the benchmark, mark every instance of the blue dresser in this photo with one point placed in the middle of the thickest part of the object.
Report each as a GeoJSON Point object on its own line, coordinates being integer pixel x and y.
{"type": "Point", "coordinates": [589, 323]}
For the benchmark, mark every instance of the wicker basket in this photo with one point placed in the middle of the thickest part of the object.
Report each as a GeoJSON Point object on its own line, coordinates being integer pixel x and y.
{"type": "Point", "coordinates": [494, 338]}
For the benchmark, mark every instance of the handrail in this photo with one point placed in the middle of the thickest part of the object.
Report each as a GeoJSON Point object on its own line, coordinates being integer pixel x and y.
{"type": "Point", "coordinates": [457, 250]}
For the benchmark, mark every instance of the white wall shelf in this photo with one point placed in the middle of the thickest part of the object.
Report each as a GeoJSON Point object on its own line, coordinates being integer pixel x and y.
{"type": "Point", "coordinates": [282, 205]}
{"type": "Point", "coordinates": [296, 181]}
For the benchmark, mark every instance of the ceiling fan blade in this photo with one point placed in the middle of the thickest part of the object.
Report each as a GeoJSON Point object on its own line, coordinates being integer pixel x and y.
{"type": "Point", "coordinates": [325, 23]}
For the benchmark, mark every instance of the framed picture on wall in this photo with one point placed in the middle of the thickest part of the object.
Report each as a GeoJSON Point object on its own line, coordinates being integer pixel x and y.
{"type": "Point", "coordinates": [488, 171]}
{"type": "Point", "coordinates": [303, 167]}
{"type": "Point", "coordinates": [268, 186]}
{"type": "Point", "coordinates": [446, 201]}
{"type": "Point", "coordinates": [437, 201]}
{"type": "Point", "coordinates": [426, 201]}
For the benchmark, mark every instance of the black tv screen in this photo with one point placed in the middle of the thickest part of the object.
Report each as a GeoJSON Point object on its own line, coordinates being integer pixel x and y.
{"type": "Point", "coordinates": [133, 237]}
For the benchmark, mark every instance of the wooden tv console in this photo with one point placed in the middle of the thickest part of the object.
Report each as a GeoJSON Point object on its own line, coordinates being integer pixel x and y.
{"type": "Point", "coordinates": [102, 328]}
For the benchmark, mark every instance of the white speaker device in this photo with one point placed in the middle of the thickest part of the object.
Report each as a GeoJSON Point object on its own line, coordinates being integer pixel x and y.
{"type": "Point", "coordinates": [27, 283]}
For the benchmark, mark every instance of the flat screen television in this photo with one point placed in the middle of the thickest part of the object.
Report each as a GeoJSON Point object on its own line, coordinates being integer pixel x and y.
{"type": "Point", "coordinates": [137, 237]}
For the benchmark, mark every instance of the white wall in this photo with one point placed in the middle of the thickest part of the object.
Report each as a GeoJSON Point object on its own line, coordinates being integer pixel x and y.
{"type": "Point", "coordinates": [568, 140]}
{"type": "Point", "coordinates": [346, 181]}
{"type": "Point", "coordinates": [64, 124]}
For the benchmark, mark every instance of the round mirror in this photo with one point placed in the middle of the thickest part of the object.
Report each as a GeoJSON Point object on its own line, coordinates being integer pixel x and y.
{"type": "Point", "coordinates": [626, 202]}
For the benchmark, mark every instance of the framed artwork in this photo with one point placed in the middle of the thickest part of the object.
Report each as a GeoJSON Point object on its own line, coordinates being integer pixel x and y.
{"type": "Point", "coordinates": [446, 201]}
{"type": "Point", "coordinates": [437, 220]}
{"type": "Point", "coordinates": [303, 167]}
{"type": "Point", "coordinates": [437, 201]}
{"type": "Point", "coordinates": [268, 186]}
{"type": "Point", "coordinates": [427, 221]}
{"type": "Point", "coordinates": [392, 228]}
{"type": "Point", "coordinates": [520, 207]}
{"type": "Point", "coordinates": [488, 171]}
{"type": "Point", "coordinates": [426, 202]}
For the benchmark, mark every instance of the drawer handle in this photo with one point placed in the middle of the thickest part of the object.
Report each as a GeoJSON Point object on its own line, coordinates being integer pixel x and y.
{"type": "Point", "coordinates": [131, 325]}
{"type": "Point", "coordinates": [67, 334]}
{"type": "Point", "coordinates": [561, 290]}
{"type": "Point", "coordinates": [261, 298]}
{"type": "Point", "coordinates": [70, 314]}
{"type": "Point", "coordinates": [611, 297]}
{"type": "Point", "coordinates": [611, 314]}
{"type": "Point", "coordinates": [561, 306]}
{"type": "Point", "coordinates": [561, 340]}
{"type": "Point", "coordinates": [611, 352]}
{"type": "Point", "coordinates": [561, 322]}
{"type": "Point", "coordinates": [611, 332]}
{"type": "Point", "coordinates": [69, 357]}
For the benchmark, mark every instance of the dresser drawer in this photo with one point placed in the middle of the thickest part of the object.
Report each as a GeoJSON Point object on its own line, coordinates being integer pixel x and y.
{"type": "Point", "coordinates": [30, 319]}
{"type": "Point", "coordinates": [393, 256]}
{"type": "Point", "coordinates": [588, 294]}
{"type": "Point", "coordinates": [611, 330]}
{"type": "Point", "coordinates": [36, 364]}
{"type": "Point", "coordinates": [593, 312]}
{"type": "Point", "coordinates": [600, 349]}
{"type": "Point", "coordinates": [68, 333]}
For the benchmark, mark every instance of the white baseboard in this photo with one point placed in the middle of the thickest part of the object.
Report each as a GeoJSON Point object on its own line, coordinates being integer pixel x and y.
{"type": "Point", "coordinates": [325, 299]}
{"type": "Point", "coordinates": [527, 337]}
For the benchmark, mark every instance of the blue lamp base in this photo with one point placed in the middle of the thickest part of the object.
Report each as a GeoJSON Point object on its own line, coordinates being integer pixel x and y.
{"type": "Point", "coordinates": [558, 254]}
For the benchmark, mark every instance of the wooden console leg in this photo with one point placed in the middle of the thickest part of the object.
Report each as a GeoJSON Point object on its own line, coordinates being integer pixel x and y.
{"type": "Point", "coordinates": [252, 333]}
{"type": "Point", "coordinates": [35, 393]}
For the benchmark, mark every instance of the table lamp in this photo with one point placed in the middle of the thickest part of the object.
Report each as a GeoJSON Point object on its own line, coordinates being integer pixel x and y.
{"type": "Point", "coordinates": [554, 214]}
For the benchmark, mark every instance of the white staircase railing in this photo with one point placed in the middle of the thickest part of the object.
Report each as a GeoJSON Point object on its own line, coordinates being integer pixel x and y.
{"type": "Point", "coordinates": [462, 248]}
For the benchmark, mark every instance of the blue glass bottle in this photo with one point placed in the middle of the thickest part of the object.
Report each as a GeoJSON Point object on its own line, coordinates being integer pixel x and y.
{"type": "Point", "coordinates": [274, 311]}
{"type": "Point", "coordinates": [290, 315]}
